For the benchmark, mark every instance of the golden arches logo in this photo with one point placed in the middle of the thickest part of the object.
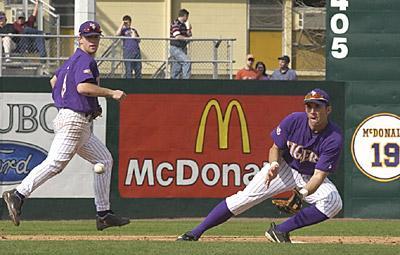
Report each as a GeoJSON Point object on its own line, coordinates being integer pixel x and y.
{"type": "Point", "coordinates": [223, 125]}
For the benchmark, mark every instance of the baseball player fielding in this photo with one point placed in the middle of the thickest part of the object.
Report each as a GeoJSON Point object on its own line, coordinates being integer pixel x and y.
{"type": "Point", "coordinates": [306, 149]}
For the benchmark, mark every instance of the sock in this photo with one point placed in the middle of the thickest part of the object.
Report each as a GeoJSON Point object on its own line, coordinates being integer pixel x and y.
{"type": "Point", "coordinates": [218, 215]}
{"type": "Point", "coordinates": [307, 216]}
{"type": "Point", "coordinates": [22, 197]}
{"type": "Point", "coordinates": [103, 213]}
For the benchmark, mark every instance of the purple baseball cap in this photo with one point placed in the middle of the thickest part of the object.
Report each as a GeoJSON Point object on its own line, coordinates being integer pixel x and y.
{"type": "Point", "coordinates": [2, 15]}
{"type": "Point", "coordinates": [317, 96]}
{"type": "Point", "coordinates": [89, 28]}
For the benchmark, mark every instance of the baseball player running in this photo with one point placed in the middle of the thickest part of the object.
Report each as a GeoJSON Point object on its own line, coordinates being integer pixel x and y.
{"type": "Point", "coordinates": [75, 88]}
{"type": "Point", "coordinates": [306, 149]}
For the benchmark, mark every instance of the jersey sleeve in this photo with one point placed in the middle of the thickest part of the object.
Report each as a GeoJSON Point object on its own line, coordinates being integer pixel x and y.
{"type": "Point", "coordinates": [329, 158]}
{"type": "Point", "coordinates": [31, 21]}
{"type": "Point", "coordinates": [175, 29]}
{"type": "Point", "coordinates": [86, 71]}
{"type": "Point", "coordinates": [280, 133]}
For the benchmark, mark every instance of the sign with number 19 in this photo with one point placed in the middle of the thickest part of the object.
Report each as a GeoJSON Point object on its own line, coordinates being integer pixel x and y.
{"type": "Point", "coordinates": [375, 147]}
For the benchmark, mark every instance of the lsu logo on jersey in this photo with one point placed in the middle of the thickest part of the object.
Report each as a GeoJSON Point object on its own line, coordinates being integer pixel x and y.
{"type": "Point", "coordinates": [278, 130]}
{"type": "Point", "coordinates": [298, 152]}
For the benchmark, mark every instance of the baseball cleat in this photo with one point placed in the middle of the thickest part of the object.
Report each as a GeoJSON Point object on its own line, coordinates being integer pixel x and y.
{"type": "Point", "coordinates": [188, 236]}
{"type": "Point", "coordinates": [14, 204]}
{"type": "Point", "coordinates": [276, 236]}
{"type": "Point", "coordinates": [110, 220]}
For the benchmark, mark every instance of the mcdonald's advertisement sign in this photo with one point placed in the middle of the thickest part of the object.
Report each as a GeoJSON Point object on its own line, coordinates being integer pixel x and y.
{"type": "Point", "coordinates": [195, 146]}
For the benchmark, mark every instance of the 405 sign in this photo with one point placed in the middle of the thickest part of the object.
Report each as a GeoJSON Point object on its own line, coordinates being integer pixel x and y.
{"type": "Point", "coordinates": [375, 147]}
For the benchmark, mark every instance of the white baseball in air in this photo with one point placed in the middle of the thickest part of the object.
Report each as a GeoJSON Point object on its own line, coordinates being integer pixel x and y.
{"type": "Point", "coordinates": [98, 168]}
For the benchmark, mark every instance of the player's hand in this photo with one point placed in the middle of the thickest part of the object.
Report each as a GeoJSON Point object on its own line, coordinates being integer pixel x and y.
{"type": "Point", "coordinates": [118, 95]}
{"type": "Point", "coordinates": [272, 173]}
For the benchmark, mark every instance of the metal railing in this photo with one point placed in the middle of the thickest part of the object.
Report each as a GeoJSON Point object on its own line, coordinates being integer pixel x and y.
{"type": "Point", "coordinates": [210, 58]}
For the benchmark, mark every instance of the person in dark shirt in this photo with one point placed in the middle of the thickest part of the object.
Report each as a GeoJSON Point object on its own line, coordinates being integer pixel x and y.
{"type": "Point", "coordinates": [9, 43]}
{"type": "Point", "coordinates": [180, 30]}
{"type": "Point", "coordinates": [23, 26]}
{"type": "Point", "coordinates": [131, 47]}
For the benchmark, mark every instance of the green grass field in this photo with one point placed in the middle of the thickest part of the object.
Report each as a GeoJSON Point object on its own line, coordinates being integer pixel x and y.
{"type": "Point", "coordinates": [170, 228]}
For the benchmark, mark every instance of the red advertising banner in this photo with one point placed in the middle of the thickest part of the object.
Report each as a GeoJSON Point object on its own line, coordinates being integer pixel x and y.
{"type": "Point", "coordinates": [200, 146]}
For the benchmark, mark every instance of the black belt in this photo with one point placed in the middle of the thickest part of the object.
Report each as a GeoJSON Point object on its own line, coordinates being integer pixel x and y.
{"type": "Point", "coordinates": [89, 115]}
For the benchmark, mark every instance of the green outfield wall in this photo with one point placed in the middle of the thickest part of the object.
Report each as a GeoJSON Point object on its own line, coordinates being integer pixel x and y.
{"type": "Point", "coordinates": [370, 69]}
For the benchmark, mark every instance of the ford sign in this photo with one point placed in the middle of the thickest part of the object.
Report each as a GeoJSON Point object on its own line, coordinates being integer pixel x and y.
{"type": "Point", "coordinates": [17, 159]}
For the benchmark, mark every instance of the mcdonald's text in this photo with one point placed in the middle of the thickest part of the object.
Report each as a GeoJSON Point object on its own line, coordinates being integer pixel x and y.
{"type": "Point", "coordinates": [186, 172]}
{"type": "Point", "coordinates": [195, 146]}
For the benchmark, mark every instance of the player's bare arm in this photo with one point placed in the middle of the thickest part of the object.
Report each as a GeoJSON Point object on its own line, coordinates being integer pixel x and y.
{"type": "Point", "coordinates": [315, 181]}
{"type": "Point", "coordinates": [275, 155]}
{"type": "Point", "coordinates": [53, 81]}
{"type": "Point", "coordinates": [92, 90]}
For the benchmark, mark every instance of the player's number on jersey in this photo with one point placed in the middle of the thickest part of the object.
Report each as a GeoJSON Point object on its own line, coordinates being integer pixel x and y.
{"type": "Point", "coordinates": [392, 153]}
{"type": "Point", "coordinates": [339, 25]}
{"type": "Point", "coordinates": [64, 86]}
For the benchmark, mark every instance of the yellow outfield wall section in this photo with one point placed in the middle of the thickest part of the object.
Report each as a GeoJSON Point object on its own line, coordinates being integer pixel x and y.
{"type": "Point", "coordinates": [266, 46]}
{"type": "Point", "coordinates": [217, 19]}
{"type": "Point", "coordinates": [148, 17]}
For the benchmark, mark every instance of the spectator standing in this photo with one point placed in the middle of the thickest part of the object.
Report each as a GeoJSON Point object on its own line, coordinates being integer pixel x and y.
{"type": "Point", "coordinates": [248, 72]}
{"type": "Point", "coordinates": [9, 44]}
{"type": "Point", "coordinates": [131, 47]}
{"type": "Point", "coordinates": [260, 67]}
{"type": "Point", "coordinates": [23, 26]}
{"type": "Point", "coordinates": [284, 72]}
{"type": "Point", "coordinates": [181, 30]}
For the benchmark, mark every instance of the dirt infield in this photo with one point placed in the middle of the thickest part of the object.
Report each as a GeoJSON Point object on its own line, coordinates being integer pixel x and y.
{"type": "Point", "coordinates": [296, 239]}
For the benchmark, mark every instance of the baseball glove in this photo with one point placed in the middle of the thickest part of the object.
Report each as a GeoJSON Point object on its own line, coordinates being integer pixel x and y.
{"type": "Point", "coordinates": [291, 205]}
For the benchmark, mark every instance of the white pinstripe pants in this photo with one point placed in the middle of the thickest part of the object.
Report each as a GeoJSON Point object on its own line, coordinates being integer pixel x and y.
{"type": "Point", "coordinates": [326, 198]}
{"type": "Point", "coordinates": [73, 134]}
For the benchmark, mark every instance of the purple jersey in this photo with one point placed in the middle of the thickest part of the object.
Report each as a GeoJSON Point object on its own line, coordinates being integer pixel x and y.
{"type": "Point", "coordinates": [304, 150]}
{"type": "Point", "coordinates": [131, 44]}
{"type": "Point", "coordinates": [80, 67]}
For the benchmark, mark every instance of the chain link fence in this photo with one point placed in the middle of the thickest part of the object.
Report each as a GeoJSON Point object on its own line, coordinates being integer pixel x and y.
{"type": "Point", "coordinates": [41, 55]}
